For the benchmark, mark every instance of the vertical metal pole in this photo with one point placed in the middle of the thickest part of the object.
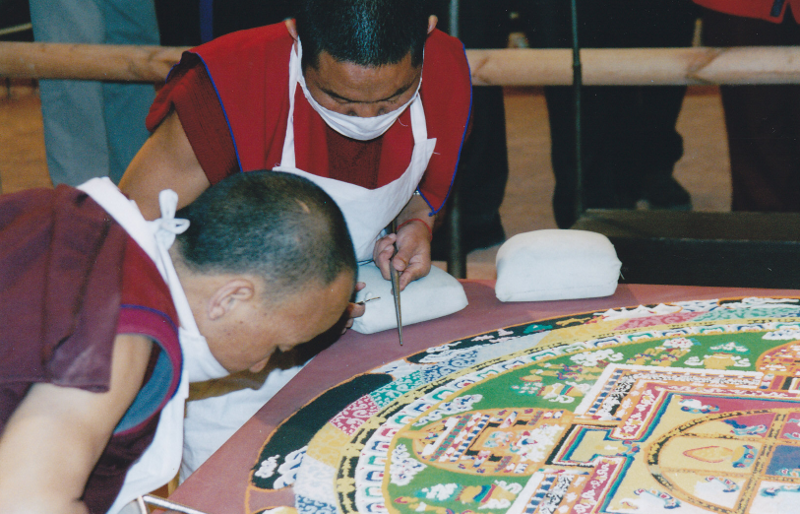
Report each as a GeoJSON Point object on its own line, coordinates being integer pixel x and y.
{"type": "Point", "coordinates": [454, 17]}
{"type": "Point", "coordinates": [206, 20]}
{"type": "Point", "coordinates": [456, 258]}
{"type": "Point", "coordinates": [577, 80]}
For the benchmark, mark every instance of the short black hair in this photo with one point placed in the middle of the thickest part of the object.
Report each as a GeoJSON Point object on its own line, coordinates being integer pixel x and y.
{"type": "Point", "coordinates": [278, 226]}
{"type": "Point", "coordinates": [364, 32]}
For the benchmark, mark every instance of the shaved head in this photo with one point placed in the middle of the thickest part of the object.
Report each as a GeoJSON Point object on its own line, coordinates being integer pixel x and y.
{"type": "Point", "coordinates": [277, 226]}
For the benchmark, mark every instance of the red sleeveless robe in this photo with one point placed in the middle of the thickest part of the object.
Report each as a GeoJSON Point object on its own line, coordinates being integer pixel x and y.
{"type": "Point", "coordinates": [232, 97]}
{"type": "Point", "coordinates": [769, 10]}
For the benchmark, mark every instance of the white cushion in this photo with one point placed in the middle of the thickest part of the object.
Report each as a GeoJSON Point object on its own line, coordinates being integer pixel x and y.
{"type": "Point", "coordinates": [434, 296]}
{"type": "Point", "coordinates": [556, 265]}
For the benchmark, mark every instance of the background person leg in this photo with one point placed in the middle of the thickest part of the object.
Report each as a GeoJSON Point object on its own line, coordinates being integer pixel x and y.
{"type": "Point", "coordinates": [128, 22]}
{"type": "Point", "coordinates": [763, 122]}
{"type": "Point", "coordinates": [628, 134]}
{"type": "Point", "coordinates": [483, 167]}
{"type": "Point", "coordinates": [74, 126]}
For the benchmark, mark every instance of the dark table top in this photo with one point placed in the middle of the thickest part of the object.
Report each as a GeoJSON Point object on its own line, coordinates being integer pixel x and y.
{"type": "Point", "coordinates": [220, 485]}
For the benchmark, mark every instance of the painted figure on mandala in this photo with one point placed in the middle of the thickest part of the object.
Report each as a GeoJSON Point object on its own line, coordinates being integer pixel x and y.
{"type": "Point", "coordinates": [493, 442]}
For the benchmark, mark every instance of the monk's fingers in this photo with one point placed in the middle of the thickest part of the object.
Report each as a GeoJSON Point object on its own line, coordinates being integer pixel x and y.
{"type": "Point", "coordinates": [382, 255]}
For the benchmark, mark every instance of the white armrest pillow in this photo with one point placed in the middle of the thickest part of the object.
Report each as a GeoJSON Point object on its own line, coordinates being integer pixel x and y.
{"type": "Point", "coordinates": [434, 296]}
{"type": "Point", "coordinates": [556, 265]}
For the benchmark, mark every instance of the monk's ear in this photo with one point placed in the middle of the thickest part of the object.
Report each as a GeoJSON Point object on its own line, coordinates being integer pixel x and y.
{"type": "Point", "coordinates": [432, 21]}
{"type": "Point", "coordinates": [229, 296]}
{"type": "Point", "coordinates": [291, 26]}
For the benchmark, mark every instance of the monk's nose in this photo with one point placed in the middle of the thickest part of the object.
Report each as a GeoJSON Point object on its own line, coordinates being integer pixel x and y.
{"type": "Point", "coordinates": [367, 110]}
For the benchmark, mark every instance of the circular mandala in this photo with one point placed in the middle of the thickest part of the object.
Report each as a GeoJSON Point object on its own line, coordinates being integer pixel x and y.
{"type": "Point", "coordinates": [691, 406]}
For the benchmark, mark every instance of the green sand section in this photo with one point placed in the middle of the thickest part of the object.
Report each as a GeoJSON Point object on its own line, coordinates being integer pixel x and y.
{"type": "Point", "coordinates": [751, 314]}
{"type": "Point", "coordinates": [560, 382]}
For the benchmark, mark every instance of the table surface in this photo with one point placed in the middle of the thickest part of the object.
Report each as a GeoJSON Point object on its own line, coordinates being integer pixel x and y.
{"type": "Point", "coordinates": [220, 485]}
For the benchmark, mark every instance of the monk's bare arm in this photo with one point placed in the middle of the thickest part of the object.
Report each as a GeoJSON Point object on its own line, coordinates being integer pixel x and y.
{"type": "Point", "coordinates": [54, 438]}
{"type": "Point", "coordinates": [165, 161]}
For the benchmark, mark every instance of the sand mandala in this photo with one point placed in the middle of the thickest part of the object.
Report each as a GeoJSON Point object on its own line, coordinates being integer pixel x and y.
{"type": "Point", "coordinates": [688, 407]}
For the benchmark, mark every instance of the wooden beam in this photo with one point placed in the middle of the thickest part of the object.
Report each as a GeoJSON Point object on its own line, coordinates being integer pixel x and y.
{"type": "Point", "coordinates": [124, 63]}
{"type": "Point", "coordinates": [638, 66]}
{"type": "Point", "coordinates": [522, 67]}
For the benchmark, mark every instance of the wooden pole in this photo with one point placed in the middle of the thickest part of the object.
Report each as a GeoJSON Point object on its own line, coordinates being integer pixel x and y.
{"type": "Point", "coordinates": [520, 67]}
{"type": "Point", "coordinates": [124, 63]}
{"type": "Point", "coordinates": [638, 66]}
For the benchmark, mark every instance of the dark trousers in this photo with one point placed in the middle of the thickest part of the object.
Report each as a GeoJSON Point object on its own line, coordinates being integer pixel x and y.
{"type": "Point", "coordinates": [483, 167]}
{"type": "Point", "coordinates": [763, 122]}
{"type": "Point", "coordinates": [185, 22]}
{"type": "Point", "coordinates": [628, 132]}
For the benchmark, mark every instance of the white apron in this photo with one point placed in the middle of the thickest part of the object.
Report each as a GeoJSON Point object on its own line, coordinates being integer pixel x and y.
{"type": "Point", "coordinates": [160, 462]}
{"type": "Point", "coordinates": [367, 211]}
{"type": "Point", "coordinates": [211, 421]}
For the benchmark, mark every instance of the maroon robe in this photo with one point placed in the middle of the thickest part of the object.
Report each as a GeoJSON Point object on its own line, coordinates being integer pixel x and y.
{"type": "Point", "coordinates": [71, 279]}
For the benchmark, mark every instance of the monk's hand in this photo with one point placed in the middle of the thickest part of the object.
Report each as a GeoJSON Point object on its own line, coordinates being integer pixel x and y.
{"type": "Point", "coordinates": [354, 310]}
{"type": "Point", "coordinates": [413, 257]}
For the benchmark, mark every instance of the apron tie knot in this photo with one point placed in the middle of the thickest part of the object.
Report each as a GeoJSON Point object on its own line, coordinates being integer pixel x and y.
{"type": "Point", "coordinates": [167, 226]}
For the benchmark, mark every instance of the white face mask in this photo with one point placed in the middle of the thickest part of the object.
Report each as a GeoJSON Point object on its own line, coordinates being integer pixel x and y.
{"type": "Point", "coordinates": [354, 127]}
{"type": "Point", "coordinates": [198, 360]}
